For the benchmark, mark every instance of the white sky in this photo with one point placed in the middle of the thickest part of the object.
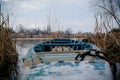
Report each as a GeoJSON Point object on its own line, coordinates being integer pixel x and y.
{"type": "Point", "coordinates": [74, 14]}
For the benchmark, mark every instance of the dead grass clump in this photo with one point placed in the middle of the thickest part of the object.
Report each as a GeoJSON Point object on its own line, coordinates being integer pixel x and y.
{"type": "Point", "coordinates": [107, 39]}
{"type": "Point", "coordinates": [110, 43]}
{"type": "Point", "coordinates": [113, 48]}
{"type": "Point", "coordinates": [8, 54]}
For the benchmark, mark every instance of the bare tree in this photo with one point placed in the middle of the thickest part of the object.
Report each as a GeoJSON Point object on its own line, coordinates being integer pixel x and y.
{"type": "Point", "coordinates": [106, 37]}
{"type": "Point", "coordinates": [109, 9]}
{"type": "Point", "coordinates": [20, 29]}
{"type": "Point", "coordinates": [68, 32]}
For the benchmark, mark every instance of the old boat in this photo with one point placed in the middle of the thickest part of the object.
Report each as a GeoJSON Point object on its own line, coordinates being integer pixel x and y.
{"type": "Point", "coordinates": [66, 59]}
{"type": "Point", "coordinates": [58, 50]}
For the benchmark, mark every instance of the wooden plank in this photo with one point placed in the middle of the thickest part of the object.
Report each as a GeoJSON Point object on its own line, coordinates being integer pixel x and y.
{"type": "Point", "coordinates": [61, 52]}
{"type": "Point", "coordinates": [59, 56]}
{"type": "Point", "coordinates": [52, 56]}
{"type": "Point", "coordinates": [30, 63]}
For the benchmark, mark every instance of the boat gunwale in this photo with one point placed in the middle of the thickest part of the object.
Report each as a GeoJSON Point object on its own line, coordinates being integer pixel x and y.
{"type": "Point", "coordinates": [61, 52]}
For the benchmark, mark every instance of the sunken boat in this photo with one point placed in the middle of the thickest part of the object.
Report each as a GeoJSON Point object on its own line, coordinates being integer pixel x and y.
{"type": "Point", "coordinates": [67, 59]}
{"type": "Point", "coordinates": [58, 50]}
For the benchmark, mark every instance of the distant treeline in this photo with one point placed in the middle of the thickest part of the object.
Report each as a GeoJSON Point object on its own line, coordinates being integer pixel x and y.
{"type": "Point", "coordinates": [22, 32]}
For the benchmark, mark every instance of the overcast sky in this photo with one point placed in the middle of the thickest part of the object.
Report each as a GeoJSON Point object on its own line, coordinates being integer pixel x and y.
{"type": "Point", "coordinates": [74, 14]}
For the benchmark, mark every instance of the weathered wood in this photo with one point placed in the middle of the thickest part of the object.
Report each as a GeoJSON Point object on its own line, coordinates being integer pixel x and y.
{"type": "Point", "coordinates": [26, 63]}
{"type": "Point", "coordinates": [61, 52]}
{"type": "Point", "coordinates": [38, 59]}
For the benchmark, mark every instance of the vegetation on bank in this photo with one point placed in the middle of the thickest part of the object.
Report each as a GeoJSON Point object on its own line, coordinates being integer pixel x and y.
{"type": "Point", "coordinates": [22, 32]}
{"type": "Point", "coordinates": [107, 27]}
{"type": "Point", "coordinates": [109, 43]}
{"type": "Point", "coordinates": [8, 53]}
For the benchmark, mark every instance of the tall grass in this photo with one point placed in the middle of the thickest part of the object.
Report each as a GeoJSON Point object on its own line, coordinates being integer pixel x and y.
{"type": "Point", "coordinates": [107, 38]}
{"type": "Point", "coordinates": [8, 53]}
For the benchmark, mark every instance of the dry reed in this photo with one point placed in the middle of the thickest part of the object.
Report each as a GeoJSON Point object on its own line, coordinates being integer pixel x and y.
{"type": "Point", "coordinates": [8, 53]}
{"type": "Point", "coordinates": [107, 39]}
